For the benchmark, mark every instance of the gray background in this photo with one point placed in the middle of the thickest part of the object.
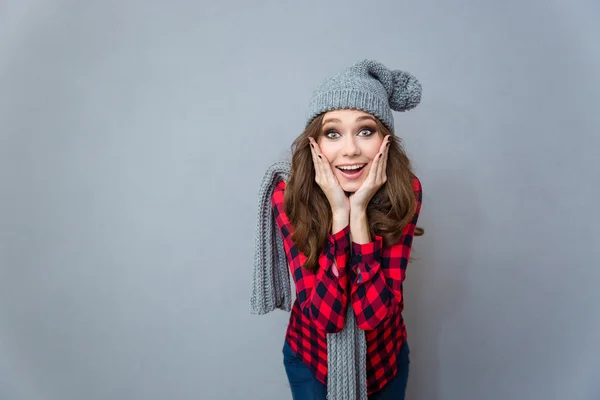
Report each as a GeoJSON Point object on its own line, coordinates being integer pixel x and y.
{"type": "Point", "coordinates": [133, 137]}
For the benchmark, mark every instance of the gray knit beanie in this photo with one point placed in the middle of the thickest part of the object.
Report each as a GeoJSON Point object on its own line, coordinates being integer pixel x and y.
{"type": "Point", "coordinates": [368, 86]}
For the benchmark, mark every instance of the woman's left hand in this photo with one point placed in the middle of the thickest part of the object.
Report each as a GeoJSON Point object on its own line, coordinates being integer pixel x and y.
{"type": "Point", "coordinates": [376, 178]}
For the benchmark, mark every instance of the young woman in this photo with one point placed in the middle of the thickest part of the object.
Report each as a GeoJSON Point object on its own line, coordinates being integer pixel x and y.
{"type": "Point", "coordinates": [346, 211]}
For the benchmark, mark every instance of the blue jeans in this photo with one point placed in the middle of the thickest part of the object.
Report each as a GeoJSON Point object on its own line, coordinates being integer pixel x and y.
{"type": "Point", "coordinates": [305, 386]}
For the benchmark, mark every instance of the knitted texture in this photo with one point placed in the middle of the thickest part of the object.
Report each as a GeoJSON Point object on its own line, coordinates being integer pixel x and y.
{"type": "Point", "coordinates": [368, 86]}
{"type": "Point", "coordinates": [271, 280]}
{"type": "Point", "coordinates": [346, 350]}
{"type": "Point", "coordinates": [347, 362]}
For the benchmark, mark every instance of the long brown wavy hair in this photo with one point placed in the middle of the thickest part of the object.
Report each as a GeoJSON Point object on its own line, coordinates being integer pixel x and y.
{"type": "Point", "coordinates": [308, 210]}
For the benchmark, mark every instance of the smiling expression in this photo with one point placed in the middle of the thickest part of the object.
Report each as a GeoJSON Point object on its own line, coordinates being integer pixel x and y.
{"type": "Point", "coordinates": [350, 141]}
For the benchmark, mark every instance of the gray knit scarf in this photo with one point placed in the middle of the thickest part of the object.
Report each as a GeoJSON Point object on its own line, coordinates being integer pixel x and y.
{"type": "Point", "coordinates": [346, 350]}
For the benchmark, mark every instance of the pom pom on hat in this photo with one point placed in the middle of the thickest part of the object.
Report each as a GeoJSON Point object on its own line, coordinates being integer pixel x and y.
{"type": "Point", "coordinates": [406, 93]}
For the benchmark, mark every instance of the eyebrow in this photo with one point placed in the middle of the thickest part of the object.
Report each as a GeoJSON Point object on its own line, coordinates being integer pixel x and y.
{"type": "Point", "coordinates": [361, 118]}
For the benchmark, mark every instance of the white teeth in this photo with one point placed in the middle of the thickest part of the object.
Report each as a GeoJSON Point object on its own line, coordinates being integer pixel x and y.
{"type": "Point", "coordinates": [350, 168]}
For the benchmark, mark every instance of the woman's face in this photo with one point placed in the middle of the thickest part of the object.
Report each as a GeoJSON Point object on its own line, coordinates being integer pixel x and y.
{"type": "Point", "coordinates": [349, 139]}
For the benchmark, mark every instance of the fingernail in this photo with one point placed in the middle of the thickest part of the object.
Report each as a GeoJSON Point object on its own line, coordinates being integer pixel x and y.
{"type": "Point", "coordinates": [318, 155]}
{"type": "Point", "coordinates": [388, 144]}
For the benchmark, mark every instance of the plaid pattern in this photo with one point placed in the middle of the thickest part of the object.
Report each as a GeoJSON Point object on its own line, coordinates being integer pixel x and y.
{"type": "Point", "coordinates": [370, 281]}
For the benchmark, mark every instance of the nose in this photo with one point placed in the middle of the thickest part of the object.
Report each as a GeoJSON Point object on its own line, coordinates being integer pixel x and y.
{"type": "Point", "coordinates": [350, 147]}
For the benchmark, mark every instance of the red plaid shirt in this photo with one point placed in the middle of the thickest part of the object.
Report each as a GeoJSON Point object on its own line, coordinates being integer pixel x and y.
{"type": "Point", "coordinates": [370, 281]}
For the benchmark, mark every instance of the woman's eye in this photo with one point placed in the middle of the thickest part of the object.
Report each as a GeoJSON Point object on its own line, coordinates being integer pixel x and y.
{"type": "Point", "coordinates": [366, 132]}
{"type": "Point", "coordinates": [332, 134]}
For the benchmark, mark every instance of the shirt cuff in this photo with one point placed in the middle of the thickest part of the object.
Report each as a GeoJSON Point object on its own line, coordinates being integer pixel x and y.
{"type": "Point", "coordinates": [368, 252]}
{"type": "Point", "coordinates": [366, 259]}
{"type": "Point", "coordinates": [340, 241]}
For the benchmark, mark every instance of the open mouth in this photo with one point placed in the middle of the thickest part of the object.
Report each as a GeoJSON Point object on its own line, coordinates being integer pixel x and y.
{"type": "Point", "coordinates": [351, 169]}
{"type": "Point", "coordinates": [352, 172]}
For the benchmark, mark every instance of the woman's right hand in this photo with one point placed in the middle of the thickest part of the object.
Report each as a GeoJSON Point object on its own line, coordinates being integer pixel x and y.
{"type": "Point", "coordinates": [339, 202]}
